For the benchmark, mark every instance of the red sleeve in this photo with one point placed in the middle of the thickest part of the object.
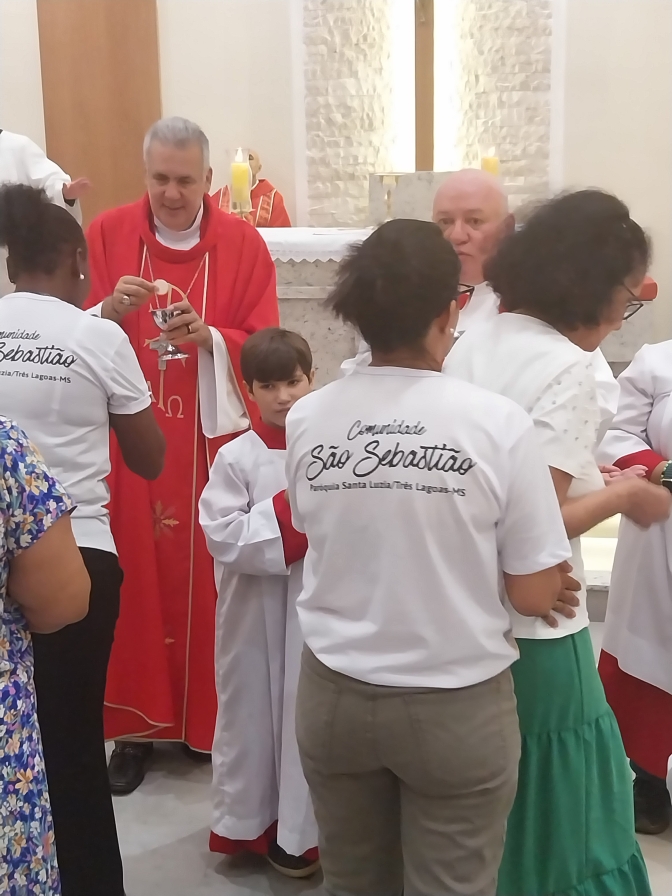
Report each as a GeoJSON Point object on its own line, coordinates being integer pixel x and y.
{"type": "Point", "coordinates": [295, 544]}
{"type": "Point", "coordinates": [647, 458]}
{"type": "Point", "coordinates": [279, 214]}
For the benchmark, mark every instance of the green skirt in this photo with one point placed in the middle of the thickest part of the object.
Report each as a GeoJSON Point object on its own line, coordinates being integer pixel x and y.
{"type": "Point", "coordinates": [571, 831]}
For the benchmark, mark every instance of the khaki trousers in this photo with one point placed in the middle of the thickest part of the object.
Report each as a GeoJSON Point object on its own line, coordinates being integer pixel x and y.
{"type": "Point", "coordinates": [411, 786]}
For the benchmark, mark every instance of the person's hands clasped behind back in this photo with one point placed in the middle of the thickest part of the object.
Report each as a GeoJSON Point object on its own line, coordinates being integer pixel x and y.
{"type": "Point", "coordinates": [567, 598]}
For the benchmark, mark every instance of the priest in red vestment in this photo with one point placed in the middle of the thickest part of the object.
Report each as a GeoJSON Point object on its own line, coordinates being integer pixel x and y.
{"type": "Point", "coordinates": [161, 683]}
{"type": "Point", "coordinates": [268, 206]}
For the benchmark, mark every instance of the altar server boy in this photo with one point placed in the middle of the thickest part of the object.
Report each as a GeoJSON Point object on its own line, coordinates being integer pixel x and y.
{"type": "Point", "coordinates": [261, 800]}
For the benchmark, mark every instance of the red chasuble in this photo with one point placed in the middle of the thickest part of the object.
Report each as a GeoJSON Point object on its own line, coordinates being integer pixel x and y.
{"type": "Point", "coordinates": [268, 206]}
{"type": "Point", "coordinates": [161, 681]}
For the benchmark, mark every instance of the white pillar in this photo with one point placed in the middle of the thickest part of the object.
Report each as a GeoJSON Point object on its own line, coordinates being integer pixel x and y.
{"type": "Point", "coordinates": [505, 85]}
{"type": "Point", "coordinates": [349, 118]}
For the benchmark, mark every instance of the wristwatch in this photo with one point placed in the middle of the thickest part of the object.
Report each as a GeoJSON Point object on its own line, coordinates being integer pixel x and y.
{"type": "Point", "coordinates": [666, 476]}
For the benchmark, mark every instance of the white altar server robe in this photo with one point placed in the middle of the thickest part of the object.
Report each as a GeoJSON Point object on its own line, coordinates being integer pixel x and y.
{"type": "Point", "coordinates": [638, 626]}
{"type": "Point", "coordinates": [257, 776]}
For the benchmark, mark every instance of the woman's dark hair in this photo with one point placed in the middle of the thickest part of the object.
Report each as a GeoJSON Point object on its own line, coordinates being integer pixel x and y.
{"type": "Point", "coordinates": [396, 283]}
{"type": "Point", "coordinates": [36, 232]}
{"type": "Point", "coordinates": [566, 261]}
{"type": "Point", "coordinates": [272, 356]}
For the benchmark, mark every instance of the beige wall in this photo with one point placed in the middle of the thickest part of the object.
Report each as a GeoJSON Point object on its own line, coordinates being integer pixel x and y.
{"type": "Point", "coordinates": [230, 65]}
{"type": "Point", "coordinates": [617, 121]}
{"type": "Point", "coordinates": [20, 76]}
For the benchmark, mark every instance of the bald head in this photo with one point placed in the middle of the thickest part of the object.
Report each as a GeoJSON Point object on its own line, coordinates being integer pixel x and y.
{"type": "Point", "coordinates": [472, 210]}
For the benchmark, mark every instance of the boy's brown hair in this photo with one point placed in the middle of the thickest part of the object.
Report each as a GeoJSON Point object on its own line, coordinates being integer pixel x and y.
{"type": "Point", "coordinates": [272, 355]}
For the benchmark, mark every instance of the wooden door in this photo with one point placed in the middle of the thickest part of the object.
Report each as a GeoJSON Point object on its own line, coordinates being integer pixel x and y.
{"type": "Point", "coordinates": [101, 86]}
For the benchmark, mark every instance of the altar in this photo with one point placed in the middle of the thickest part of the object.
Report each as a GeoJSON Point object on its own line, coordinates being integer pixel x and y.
{"type": "Point", "coordinates": [306, 260]}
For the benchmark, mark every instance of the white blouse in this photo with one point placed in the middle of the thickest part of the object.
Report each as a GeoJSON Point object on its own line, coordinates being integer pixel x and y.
{"type": "Point", "coordinates": [553, 380]}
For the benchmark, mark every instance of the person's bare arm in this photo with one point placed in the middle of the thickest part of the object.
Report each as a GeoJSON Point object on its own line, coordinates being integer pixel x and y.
{"type": "Point", "coordinates": [644, 503]}
{"type": "Point", "coordinates": [534, 594]}
{"type": "Point", "coordinates": [142, 444]}
{"type": "Point", "coordinates": [49, 581]}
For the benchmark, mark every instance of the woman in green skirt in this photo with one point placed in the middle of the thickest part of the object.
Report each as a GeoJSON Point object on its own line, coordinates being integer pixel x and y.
{"type": "Point", "coordinates": [571, 276]}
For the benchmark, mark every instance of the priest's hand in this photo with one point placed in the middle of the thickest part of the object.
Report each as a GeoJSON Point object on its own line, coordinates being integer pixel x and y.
{"type": "Point", "coordinates": [129, 294]}
{"type": "Point", "coordinates": [75, 190]}
{"type": "Point", "coordinates": [187, 327]}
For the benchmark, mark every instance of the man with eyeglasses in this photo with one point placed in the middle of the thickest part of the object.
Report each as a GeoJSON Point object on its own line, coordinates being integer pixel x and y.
{"type": "Point", "coordinates": [472, 210]}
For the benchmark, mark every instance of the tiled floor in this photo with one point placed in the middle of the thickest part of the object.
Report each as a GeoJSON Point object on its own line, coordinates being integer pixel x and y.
{"type": "Point", "coordinates": [164, 830]}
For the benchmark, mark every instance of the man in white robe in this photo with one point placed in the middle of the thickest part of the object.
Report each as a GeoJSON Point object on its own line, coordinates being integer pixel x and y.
{"type": "Point", "coordinates": [261, 799]}
{"type": "Point", "coordinates": [23, 162]}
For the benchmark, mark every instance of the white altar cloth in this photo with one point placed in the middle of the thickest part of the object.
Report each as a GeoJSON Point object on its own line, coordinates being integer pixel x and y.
{"type": "Point", "coordinates": [311, 243]}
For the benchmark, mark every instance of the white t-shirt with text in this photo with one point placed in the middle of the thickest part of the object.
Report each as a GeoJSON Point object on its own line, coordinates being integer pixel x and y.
{"type": "Point", "coordinates": [415, 490]}
{"type": "Point", "coordinates": [62, 372]}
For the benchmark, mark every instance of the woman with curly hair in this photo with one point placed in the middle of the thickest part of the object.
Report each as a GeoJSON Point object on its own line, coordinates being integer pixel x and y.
{"type": "Point", "coordinates": [569, 277]}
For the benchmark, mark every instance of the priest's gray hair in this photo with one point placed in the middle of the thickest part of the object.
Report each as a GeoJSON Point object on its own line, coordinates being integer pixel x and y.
{"type": "Point", "coordinates": [179, 132]}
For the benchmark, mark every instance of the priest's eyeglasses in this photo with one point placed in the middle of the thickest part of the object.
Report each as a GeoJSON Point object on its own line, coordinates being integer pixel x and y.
{"type": "Point", "coordinates": [633, 306]}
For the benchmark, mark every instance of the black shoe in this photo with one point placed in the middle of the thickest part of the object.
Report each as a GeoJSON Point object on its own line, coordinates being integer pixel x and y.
{"type": "Point", "coordinates": [290, 866]}
{"type": "Point", "coordinates": [196, 755]}
{"type": "Point", "coordinates": [652, 805]}
{"type": "Point", "coordinates": [127, 766]}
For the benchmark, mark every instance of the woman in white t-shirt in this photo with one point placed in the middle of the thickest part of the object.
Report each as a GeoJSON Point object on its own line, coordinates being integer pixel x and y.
{"type": "Point", "coordinates": [570, 274]}
{"type": "Point", "coordinates": [66, 377]}
{"type": "Point", "coordinates": [414, 491]}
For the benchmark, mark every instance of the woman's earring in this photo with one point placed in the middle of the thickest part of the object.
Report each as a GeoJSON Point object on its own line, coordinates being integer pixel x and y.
{"type": "Point", "coordinates": [452, 331]}
{"type": "Point", "coordinates": [81, 276]}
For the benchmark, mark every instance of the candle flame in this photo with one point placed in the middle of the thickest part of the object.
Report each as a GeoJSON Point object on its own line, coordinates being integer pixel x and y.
{"type": "Point", "coordinates": [239, 155]}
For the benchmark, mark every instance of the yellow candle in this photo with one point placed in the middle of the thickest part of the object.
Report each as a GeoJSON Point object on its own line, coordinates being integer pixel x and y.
{"type": "Point", "coordinates": [240, 180]}
{"type": "Point", "coordinates": [491, 164]}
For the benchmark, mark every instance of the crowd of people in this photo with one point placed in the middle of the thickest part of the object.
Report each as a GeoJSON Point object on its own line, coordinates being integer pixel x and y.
{"type": "Point", "coordinates": [367, 601]}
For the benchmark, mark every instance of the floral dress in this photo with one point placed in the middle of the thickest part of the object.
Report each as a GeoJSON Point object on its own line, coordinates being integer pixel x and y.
{"type": "Point", "coordinates": [30, 502]}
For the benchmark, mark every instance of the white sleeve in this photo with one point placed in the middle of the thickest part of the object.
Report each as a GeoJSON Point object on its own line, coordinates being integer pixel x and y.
{"type": "Point", "coordinates": [127, 389]}
{"type": "Point", "coordinates": [96, 311]}
{"type": "Point", "coordinates": [222, 407]}
{"type": "Point", "coordinates": [291, 467]}
{"type": "Point", "coordinates": [567, 419]}
{"type": "Point", "coordinates": [40, 171]}
{"type": "Point", "coordinates": [628, 431]}
{"type": "Point", "coordinates": [531, 534]}
{"type": "Point", "coordinates": [246, 539]}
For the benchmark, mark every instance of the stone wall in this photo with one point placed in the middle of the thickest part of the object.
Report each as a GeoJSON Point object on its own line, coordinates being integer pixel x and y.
{"type": "Point", "coordinates": [502, 82]}
{"type": "Point", "coordinates": [504, 86]}
{"type": "Point", "coordinates": [348, 103]}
